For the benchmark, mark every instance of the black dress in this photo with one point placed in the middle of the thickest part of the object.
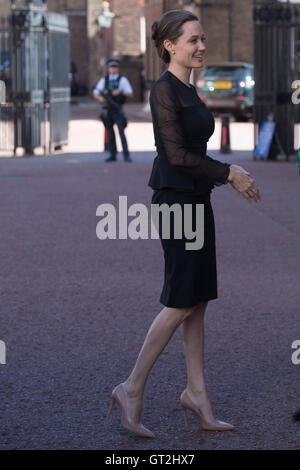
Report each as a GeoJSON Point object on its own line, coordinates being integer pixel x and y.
{"type": "Point", "coordinates": [182, 173]}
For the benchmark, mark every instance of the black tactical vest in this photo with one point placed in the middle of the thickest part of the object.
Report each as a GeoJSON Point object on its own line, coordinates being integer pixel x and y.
{"type": "Point", "coordinates": [113, 85]}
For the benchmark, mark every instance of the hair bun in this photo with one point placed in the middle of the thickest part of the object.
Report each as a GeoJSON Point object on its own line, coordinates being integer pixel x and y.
{"type": "Point", "coordinates": [155, 32]}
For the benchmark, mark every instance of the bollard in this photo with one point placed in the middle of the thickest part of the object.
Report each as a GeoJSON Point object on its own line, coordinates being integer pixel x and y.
{"type": "Point", "coordinates": [105, 139]}
{"type": "Point", "coordinates": [225, 133]}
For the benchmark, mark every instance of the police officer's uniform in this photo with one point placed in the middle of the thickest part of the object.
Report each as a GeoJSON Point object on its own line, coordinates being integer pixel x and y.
{"type": "Point", "coordinates": [114, 115]}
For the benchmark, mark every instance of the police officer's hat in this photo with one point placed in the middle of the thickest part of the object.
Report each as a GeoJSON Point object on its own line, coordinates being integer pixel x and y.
{"type": "Point", "coordinates": [113, 63]}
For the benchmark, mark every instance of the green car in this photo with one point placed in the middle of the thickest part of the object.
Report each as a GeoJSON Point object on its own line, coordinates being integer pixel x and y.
{"type": "Point", "coordinates": [228, 87]}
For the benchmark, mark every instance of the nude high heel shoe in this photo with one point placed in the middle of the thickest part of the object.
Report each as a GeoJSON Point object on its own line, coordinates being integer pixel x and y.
{"type": "Point", "coordinates": [119, 396]}
{"type": "Point", "coordinates": [187, 403]}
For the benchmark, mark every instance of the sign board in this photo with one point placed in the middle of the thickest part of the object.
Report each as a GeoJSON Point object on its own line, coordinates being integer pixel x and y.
{"type": "Point", "coordinates": [265, 137]}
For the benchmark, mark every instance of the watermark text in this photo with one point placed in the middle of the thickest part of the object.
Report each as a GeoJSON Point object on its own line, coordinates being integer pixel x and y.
{"type": "Point", "coordinates": [2, 352]}
{"type": "Point", "coordinates": [138, 227]}
{"type": "Point", "coordinates": [296, 353]}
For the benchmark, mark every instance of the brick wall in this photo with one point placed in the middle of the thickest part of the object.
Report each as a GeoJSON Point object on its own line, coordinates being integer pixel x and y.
{"type": "Point", "coordinates": [60, 5]}
{"type": "Point", "coordinates": [79, 46]}
{"type": "Point", "coordinates": [97, 40]}
{"type": "Point", "coordinates": [229, 30]}
{"type": "Point", "coordinates": [243, 31]}
{"type": "Point", "coordinates": [153, 65]}
{"type": "Point", "coordinates": [126, 27]}
{"type": "Point", "coordinates": [4, 8]}
{"type": "Point", "coordinates": [76, 12]}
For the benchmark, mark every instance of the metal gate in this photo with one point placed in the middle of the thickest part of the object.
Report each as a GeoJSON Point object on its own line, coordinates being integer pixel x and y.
{"type": "Point", "coordinates": [58, 90]}
{"type": "Point", "coordinates": [29, 73]}
{"type": "Point", "coordinates": [6, 120]}
{"type": "Point", "coordinates": [6, 107]}
{"type": "Point", "coordinates": [276, 66]}
{"type": "Point", "coordinates": [38, 49]}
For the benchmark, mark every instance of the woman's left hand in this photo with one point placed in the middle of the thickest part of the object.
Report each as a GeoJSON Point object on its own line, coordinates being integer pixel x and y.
{"type": "Point", "coordinates": [252, 194]}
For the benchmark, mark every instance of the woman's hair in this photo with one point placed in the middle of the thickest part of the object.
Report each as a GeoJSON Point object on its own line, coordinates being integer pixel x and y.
{"type": "Point", "coordinates": [169, 27]}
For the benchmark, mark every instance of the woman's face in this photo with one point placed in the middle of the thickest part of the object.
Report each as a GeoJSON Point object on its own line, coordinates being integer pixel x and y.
{"type": "Point", "coordinates": [190, 48]}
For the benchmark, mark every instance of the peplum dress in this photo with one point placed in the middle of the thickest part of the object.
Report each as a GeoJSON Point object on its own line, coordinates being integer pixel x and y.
{"type": "Point", "coordinates": [183, 174]}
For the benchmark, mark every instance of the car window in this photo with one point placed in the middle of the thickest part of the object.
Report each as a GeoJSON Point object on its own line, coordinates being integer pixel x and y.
{"type": "Point", "coordinates": [224, 71]}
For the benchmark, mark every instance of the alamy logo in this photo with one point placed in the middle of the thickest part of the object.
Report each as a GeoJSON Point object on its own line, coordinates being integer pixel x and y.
{"type": "Point", "coordinates": [296, 353]}
{"type": "Point", "coordinates": [296, 100]}
{"type": "Point", "coordinates": [2, 352]}
{"type": "Point", "coordinates": [138, 226]}
{"type": "Point", "coordinates": [296, 93]}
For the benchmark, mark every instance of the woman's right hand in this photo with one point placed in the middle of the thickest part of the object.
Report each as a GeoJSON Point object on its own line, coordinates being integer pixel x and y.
{"type": "Point", "coordinates": [242, 183]}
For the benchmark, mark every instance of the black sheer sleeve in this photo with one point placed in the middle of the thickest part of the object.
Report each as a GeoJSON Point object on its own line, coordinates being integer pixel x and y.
{"type": "Point", "coordinates": [170, 135]}
{"type": "Point", "coordinates": [217, 162]}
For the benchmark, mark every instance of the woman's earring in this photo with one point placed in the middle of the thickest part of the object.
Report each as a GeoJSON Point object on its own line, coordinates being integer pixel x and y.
{"type": "Point", "coordinates": [173, 52]}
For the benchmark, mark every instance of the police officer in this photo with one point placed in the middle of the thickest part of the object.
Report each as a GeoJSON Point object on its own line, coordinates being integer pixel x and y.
{"type": "Point", "coordinates": [112, 91]}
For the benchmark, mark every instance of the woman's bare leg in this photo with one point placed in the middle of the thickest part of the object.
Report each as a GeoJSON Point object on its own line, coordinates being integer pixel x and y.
{"type": "Point", "coordinates": [193, 340]}
{"type": "Point", "coordinates": [158, 336]}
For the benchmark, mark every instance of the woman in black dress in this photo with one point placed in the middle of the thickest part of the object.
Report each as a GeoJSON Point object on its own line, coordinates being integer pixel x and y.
{"type": "Point", "coordinates": [182, 173]}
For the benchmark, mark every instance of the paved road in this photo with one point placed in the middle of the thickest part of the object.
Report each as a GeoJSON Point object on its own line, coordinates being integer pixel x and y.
{"type": "Point", "coordinates": [75, 310]}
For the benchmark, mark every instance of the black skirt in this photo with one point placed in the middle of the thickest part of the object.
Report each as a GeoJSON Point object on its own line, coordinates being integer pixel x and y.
{"type": "Point", "coordinates": [190, 276]}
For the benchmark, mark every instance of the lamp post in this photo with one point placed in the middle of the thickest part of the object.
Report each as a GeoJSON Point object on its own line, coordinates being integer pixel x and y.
{"type": "Point", "coordinates": [105, 21]}
{"type": "Point", "coordinates": [106, 16]}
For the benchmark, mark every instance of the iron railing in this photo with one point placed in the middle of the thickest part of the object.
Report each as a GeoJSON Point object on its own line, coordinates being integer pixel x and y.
{"type": "Point", "coordinates": [276, 66]}
{"type": "Point", "coordinates": [6, 107]}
